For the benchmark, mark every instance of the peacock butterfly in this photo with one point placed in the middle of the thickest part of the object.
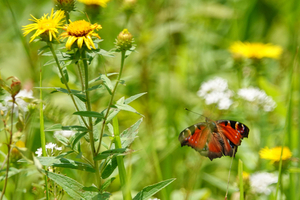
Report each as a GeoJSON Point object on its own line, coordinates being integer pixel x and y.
{"type": "Point", "coordinates": [214, 139]}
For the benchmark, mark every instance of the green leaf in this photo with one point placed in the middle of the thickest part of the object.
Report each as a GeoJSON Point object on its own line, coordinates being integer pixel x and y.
{"type": "Point", "coordinates": [61, 139]}
{"type": "Point", "coordinates": [128, 135]}
{"type": "Point", "coordinates": [12, 171]}
{"type": "Point", "coordinates": [74, 188]}
{"type": "Point", "coordinates": [149, 191]}
{"type": "Point", "coordinates": [126, 108]}
{"type": "Point", "coordinates": [76, 93]}
{"type": "Point", "coordinates": [107, 183]}
{"type": "Point", "coordinates": [71, 164]}
{"type": "Point", "coordinates": [95, 87]}
{"type": "Point", "coordinates": [109, 168]}
{"type": "Point", "coordinates": [91, 189]}
{"type": "Point", "coordinates": [89, 114]}
{"type": "Point", "coordinates": [41, 50]}
{"type": "Point", "coordinates": [65, 74]}
{"type": "Point", "coordinates": [59, 127]}
{"type": "Point", "coordinates": [75, 139]}
{"type": "Point", "coordinates": [134, 97]}
{"type": "Point", "coordinates": [75, 128]}
{"type": "Point", "coordinates": [105, 53]}
{"type": "Point", "coordinates": [5, 86]}
{"type": "Point", "coordinates": [65, 163]}
{"type": "Point", "coordinates": [112, 152]}
{"type": "Point", "coordinates": [107, 83]}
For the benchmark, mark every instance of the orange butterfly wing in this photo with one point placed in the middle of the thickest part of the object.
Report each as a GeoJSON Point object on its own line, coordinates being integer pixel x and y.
{"type": "Point", "coordinates": [214, 139]}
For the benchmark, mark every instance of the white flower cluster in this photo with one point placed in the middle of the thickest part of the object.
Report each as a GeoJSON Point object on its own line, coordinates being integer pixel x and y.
{"type": "Point", "coordinates": [50, 146]}
{"type": "Point", "coordinates": [259, 97]}
{"type": "Point", "coordinates": [216, 91]}
{"type": "Point", "coordinates": [261, 182]}
{"type": "Point", "coordinates": [21, 104]}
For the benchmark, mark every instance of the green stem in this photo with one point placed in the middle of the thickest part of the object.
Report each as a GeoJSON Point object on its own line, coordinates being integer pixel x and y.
{"type": "Point", "coordinates": [65, 81]}
{"type": "Point", "coordinates": [88, 107]}
{"type": "Point", "coordinates": [42, 131]}
{"type": "Point", "coordinates": [120, 161]}
{"type": "Point", "coordinates": [111, 99]}
{"type": "Point", "coordinates": [67, 15]}
{"type": "Point", "coordinates": [8, 148]}
{"type": "Point", "coordinates": [80, 76]}
{"type": "Point", "coordinates": [240, 172]}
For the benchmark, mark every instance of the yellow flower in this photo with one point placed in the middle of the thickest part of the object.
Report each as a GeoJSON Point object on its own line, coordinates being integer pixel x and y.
{"type": "Point", "coordinates": [81, 31]}
{"type": "Point", "coordinates": [47, 26]}
{"type": "Point", "coordinates": [255, 50]}
{"type": "Point", "coordinates": [15, 154]}
{"type": "Point", "coordinates": [101, 3]}
{"type": "Point", "coordinates": [274, 154]}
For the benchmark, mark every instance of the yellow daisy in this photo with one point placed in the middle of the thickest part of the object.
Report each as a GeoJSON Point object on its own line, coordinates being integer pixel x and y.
{"type": "Point", "coordinates": [274, 154]}
{"type": "Point", "coordinates": [82, 31]}
{"type": "Point", "coordinates": [255, 50]}
{"type": "Point", "coordinates": [101, 3]}
{"type": "Point", "coordinates": [47, 26]}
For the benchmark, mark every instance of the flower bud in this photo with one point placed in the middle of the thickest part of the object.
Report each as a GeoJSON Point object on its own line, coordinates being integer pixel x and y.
{"type": "Point", "coordinates": [124, 41]}
{"type": "Point", "coordinates": [129, 6]}
{"type": "Point", "coordinates": [65, 5]}
{"type": "Point", "coordinates": [15, 86]}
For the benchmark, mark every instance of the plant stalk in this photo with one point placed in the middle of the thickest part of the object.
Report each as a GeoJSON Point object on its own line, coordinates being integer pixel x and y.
{"type": "Point", "coordinates": [111, 99]}
{"type": "Point", "coordinates": [120, 161]}
{"type": "Point", "coordinates": [88, 107]}
{"type": "Point", "coordinates": [42, 133]}
{"type": "Point", "coordinates": [65, 81]}
{"type": "Point", "coordinates": [9, 148]}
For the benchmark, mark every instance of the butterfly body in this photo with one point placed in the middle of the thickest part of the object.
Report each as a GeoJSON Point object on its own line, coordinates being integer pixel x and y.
{"type": "Point", "coordinates": [214, 139]}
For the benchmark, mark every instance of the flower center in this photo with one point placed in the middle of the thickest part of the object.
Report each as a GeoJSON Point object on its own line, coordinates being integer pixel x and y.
{"type": "Point", "coordinates": [46, 24]}
{"type": "Point", "coordinates": [79, 28]}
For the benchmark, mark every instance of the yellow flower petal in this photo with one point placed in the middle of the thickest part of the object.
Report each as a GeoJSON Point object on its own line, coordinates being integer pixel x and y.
{"type": "Point", "coordinates": [101, 3]}
{"type": "Point", "coordinates": [275, 153]}
{"type": "Point", "coordinates": [255, 50]}
{"type": "Point", "coordinates": [82, 31]}
{"type": "Point", "coordinates": [47, 25]}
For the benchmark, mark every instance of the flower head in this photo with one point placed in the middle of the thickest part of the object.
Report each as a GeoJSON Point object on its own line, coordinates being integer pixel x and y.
{"type": "Point", "coordinates": [216, 91]}
{"type": "Point", "coordinates": [49, 148]}
{"type": "Point", "coordinates": [261, 182]}
{"type": "Point", "coordinates": [257, 96]}
{"type": "Point", "coordinates": [46, 27]}
{"type": "Point", "coordinates": [275, 153]}
{"type": "Point", "coordinates": [39, 152]}
{"type": "Point", "coordinates": [82, 32]}
{"type": "Point", "coordinates": [124, 40]}
{"type": "Point", "coordinates": [66, 5]}
{"type": "Point", "coordinates": [255, 50]}
{"type": "Point", "coordinates": [101, 3]}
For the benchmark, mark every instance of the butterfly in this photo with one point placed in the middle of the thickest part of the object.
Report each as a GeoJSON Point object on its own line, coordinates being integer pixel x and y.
{"type": "Point", "coordinates": [214, 139]}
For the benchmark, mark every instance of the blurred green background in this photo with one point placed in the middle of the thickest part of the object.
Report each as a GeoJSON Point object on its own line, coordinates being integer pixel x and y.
{"type": "Point", "coordinates": [179, 45]}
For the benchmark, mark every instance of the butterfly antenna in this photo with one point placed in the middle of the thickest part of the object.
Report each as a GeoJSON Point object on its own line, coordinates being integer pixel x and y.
{"type": "Point", "coordinates": [194, 112]}
{"type": "Point", "coordinates": [234, 149]}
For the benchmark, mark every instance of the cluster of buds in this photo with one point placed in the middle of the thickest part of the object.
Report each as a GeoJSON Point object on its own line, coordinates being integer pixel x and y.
{"type": "Point", "coordinates": [124, 41]}
{"type": "Point", "coordinates": [66, 5]}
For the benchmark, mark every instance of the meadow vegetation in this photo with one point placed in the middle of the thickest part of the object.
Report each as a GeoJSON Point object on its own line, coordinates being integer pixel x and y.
{"type": "Point", "coordinates": [93, 97]}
